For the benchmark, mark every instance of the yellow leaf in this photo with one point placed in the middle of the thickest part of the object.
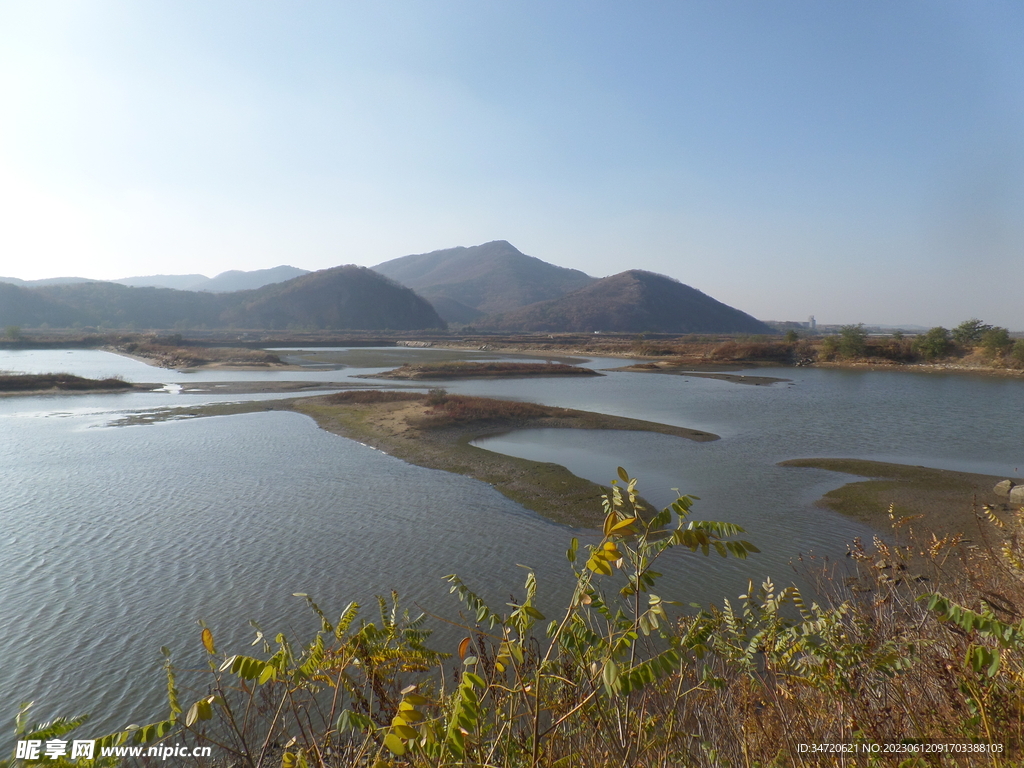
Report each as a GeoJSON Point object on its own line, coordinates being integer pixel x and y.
{"type": "Point", "coordinates": [394, 744]}
{"type": "Point", "coordinates": [619, 529]}
{"type": "Point", "coordinates": [404, 731]}
{"type": "Point", "coordinates": [609, 522]}
{"type": "Point", "coordinates": [208, 640]}
{"type": "Point", "coordinates": [203, 708]}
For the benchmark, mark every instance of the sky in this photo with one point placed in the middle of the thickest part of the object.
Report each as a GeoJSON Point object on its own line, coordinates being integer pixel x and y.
{"type": "Point", "coordinates": [856, 161]}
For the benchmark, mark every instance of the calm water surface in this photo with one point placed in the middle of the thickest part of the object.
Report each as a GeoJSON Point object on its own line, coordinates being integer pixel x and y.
{"type": "Point", "coordinates": [116, 540]}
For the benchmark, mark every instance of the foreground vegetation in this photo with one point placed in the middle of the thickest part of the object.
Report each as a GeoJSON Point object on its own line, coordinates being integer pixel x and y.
{"type": "Point", "coordinates": [879, 661]}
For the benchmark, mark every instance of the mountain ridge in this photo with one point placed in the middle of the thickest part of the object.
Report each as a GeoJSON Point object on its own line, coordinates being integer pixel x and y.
{"type": "Point", "coordinates": [489, 286]}
{"type": "Point", "coordinates": [634, 301]}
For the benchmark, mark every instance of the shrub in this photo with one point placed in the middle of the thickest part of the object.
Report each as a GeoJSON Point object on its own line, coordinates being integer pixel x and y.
{"type": "Point", "coordinates": [1017, 353]}
{"type": "Point", "coordinates": [852, 341]}
{"type": "Point", "coordinates": [996, 342]}
{"type": "Point", "coordinates": [933, 344]}
{"type": "Point", "coordinates": [436, 396]}
{"type": "Point", "coordinates": [829, 347]}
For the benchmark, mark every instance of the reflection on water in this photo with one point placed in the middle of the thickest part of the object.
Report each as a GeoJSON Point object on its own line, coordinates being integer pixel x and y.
{"type": "Point", "coordinates": [121, 538]}
{"type": "Point", "coordinates": [117, 540]}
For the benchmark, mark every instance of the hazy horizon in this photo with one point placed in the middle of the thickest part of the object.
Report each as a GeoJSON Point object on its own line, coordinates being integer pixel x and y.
{"type": "Point", "coordinates": [859, 163]}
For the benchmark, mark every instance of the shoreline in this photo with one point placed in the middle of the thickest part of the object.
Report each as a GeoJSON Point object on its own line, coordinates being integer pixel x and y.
{"type": "Point", "coordinates": [938, 501]}
{"type": "Point", "coordinates": [697, 361]}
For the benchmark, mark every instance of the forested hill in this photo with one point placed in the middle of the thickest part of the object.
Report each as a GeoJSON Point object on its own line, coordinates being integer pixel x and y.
{"type": "Point", "coordinates": [347, 297]}
{"type": "Point", "coordinates": [629, 302]}
{"type": "Point", "coordinates": [466, 283]}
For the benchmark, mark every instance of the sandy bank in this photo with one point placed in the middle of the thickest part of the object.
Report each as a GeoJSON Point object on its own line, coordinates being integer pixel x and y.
{"type": "Point", "coordinates": [475, 370]}
{"type": "Point", "coordinates": [944, 501]}
{"type": "Point", "coordinates": [171, 363]}
{"type": "Point", "coordinates": [683, 370]}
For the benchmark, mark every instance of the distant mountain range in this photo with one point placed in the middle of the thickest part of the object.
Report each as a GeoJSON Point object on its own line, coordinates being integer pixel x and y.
{"type": "Point", "coordinates": [341, 298]}
{"type": "Point", "coordinates": [492, 286]}
{"type": "Point", "coordinates": [496, 287]}
{"type": "Point", "coordinates": [225, 282]}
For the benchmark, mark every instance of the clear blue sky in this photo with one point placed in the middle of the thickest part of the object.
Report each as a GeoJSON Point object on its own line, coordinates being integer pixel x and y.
{"type": "Point", "coordinates": [859, 161]}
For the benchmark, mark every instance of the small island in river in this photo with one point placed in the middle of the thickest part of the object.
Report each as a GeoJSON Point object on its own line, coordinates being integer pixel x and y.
{"type": "Point", "coordinates": [41, 383]}
{"type": "Point", "coordinates": [938, 501]}
{"type": "Point", "coordinates": [437, 430]}
{"type": "Point", "coordinates": [468, 370]}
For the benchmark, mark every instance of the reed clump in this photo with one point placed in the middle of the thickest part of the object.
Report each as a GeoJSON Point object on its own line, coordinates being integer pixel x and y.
{"type": "Point", "coordinates": [909, 653]}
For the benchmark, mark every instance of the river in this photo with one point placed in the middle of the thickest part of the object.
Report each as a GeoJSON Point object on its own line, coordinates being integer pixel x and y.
{"type": "Point", "coordinates": [118, 539]}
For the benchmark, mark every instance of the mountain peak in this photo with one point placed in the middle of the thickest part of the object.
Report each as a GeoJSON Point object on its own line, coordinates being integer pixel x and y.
{"type": "Point", "coordinates": [467, 282]}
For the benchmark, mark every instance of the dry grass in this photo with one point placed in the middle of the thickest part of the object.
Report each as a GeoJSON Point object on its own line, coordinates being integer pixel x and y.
{"type": "Point", "coordinates": [368, 396]}
{"type": "Point", "coordinates": [773, 351]}
{"type": "Point", "coordinates": [464, 409]}
{"type": "Point", "coordinates": [171, 353]}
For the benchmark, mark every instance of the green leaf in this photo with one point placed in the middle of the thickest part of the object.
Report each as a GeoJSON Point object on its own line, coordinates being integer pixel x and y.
{"type": "Point", "coordinates": [610, 673]}
{"type": "Point", "coordinates": [623, 475]}
{"type": "Point", "coordinates": [353, 721]}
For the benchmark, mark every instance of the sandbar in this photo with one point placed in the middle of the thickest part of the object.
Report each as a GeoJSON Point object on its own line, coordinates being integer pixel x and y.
{"type": "Point", "coordinates": [943, 501]}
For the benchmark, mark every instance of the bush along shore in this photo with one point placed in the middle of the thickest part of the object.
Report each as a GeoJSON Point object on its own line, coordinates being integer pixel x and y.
{"type": "Point", "coordinates": [896, 660]}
